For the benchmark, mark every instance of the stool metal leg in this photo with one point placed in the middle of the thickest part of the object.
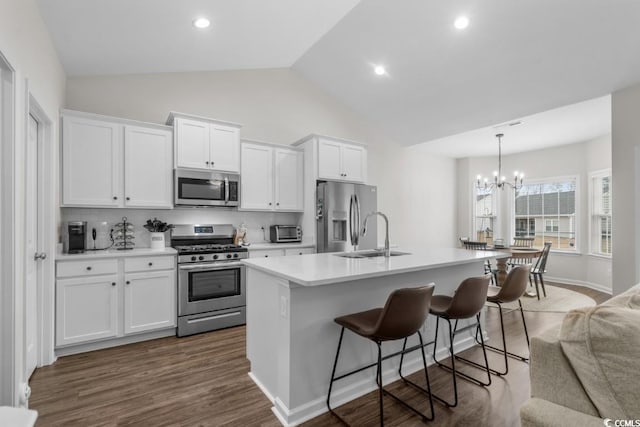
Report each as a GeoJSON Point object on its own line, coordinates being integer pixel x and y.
{"type": "Point", "coordinates": [406, 380]}
{"type": "Point", "coordinates": [333, 375]}
{"type": "Point", "coordinates": [484, 367]}
{"type": "Point", "coordinates": [380, 393]}
{"type": "Point", "coordinates": [504, 350]}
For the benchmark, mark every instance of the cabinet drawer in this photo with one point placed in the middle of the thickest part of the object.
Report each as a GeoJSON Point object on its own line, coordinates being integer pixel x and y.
{"type": "Point", "coordinates": [266, 253]}
{"type": "Point", "coordinates": [149, 263]}
{"type": "Point", "coordinates": [299, 251]}
{"type": "Point", "coordinates": [87, 268]}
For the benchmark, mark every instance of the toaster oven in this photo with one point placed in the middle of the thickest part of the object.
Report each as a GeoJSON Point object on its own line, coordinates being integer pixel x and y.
{"type": "Point", "coordinates": [285, 233]}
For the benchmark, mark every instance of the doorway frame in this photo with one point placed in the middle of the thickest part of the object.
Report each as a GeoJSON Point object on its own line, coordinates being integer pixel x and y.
{"type": "Point", "coordinates": [45, 288]}
{"type": "Point", "coordinates": [8, 374]}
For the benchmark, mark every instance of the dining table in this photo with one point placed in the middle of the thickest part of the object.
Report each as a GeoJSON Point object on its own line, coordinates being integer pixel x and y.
{"type": "Point", "coordinates": [515, 253]}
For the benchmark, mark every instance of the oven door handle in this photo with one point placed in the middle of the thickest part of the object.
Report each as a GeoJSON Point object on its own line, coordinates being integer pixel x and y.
{"type": "Point", "coordinates": [219, 266]}
{"type": "Point", "coordinates": [226, 189]}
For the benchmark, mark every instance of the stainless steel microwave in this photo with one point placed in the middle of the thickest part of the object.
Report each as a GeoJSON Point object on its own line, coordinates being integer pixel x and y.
{"type": "Point", "coordinates": [202, 188]}
{"type": "Point", "coordinates": [285, 233]}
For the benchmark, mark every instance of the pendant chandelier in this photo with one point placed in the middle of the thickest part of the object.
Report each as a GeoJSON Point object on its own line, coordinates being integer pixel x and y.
{"type": "Point", "coordinates": [499, 180]}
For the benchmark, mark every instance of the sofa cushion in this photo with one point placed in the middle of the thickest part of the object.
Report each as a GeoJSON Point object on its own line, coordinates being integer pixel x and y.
{"type": "Point", "coordinates": [629, 299]}
{"type": "Point", "coordinates": [602, 344]}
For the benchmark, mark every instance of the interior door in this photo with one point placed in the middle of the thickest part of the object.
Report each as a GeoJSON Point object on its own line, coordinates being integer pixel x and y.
{"type": "Point", "coordinates": [32, 232]}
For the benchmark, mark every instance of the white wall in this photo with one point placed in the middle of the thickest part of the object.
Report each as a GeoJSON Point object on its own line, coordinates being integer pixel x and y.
{"type": "Point", "coordinates": [280, 106]}
{"type": "Point", "coordinates": [25, 42]}
{"type": "Point", "coordinates": [625, 131]}
{"type": "Point", "coordinates": [568, 160]}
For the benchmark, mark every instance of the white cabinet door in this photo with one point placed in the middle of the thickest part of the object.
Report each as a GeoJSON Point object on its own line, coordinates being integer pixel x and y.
{"type": "Point", "coordinates": [225, 148]}
{"type": "Point", "coordinates": [91, 162]}
{"type": "Point", "coordinates": [289, 180]}
{"type": "Point", "coordinates": [148, 161]}
{"type": "Point", "coordinates": [299, 251]}
{"type": "Point", "coordinates": [265, 253]}
{"type": "Point", "coordinates": [329, 160]}
{"type": "Point", "coordinates": [256, 177]}
{"type": "Point", "coordinates": [86, 309]}
{"type": "Point", "coordinates": [149, 301]}
{"type": "Point", "coordinates": [354, 163]}
{"type": "Point", "coordinates": [192, 144]}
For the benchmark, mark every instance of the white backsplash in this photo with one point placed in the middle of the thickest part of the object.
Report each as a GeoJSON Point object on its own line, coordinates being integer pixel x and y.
{"type": "Point", "coordinates": [138, 217]}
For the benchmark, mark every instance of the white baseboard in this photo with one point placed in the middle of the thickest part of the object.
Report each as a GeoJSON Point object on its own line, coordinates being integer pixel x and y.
{"type": "Point", "coordinates": [341, 395]}
{"type": "Point", "coordinates": [594, 286]}
{"type": "Point", "coordinates": [261, 387]}
{"type": "Point", "coordinates": [99, 345]}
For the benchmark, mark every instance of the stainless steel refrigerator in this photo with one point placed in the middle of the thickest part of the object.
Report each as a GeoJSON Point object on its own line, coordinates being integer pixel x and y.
{"type": "Point", "coordinates": [341, 209]}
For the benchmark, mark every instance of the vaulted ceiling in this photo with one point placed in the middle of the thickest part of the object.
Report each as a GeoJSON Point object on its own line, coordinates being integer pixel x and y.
{"type": "Point", "coordinates": [516, 58]}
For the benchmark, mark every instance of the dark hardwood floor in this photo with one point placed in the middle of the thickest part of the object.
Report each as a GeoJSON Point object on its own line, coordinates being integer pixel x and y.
{"type": "Point", "coordinates": [202, 381]}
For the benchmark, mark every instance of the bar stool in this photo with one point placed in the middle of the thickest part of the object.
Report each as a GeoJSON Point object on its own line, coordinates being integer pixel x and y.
{"type": "Point", "coordinates": [466, 303]}
{"type": "Point", "coordinates": [511, 290]}
{"type": "Point", "coordinates": [402, 316]}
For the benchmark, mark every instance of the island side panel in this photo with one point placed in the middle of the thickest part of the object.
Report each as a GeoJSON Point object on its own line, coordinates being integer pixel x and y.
{"type": "Point", "coordinates": [314, 335]}
{"type": "Point", "coordinates": [263, 328]}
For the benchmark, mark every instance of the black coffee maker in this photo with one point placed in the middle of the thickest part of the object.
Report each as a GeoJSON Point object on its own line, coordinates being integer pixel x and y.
{"type": "Point", "coordinates": [75, 237]}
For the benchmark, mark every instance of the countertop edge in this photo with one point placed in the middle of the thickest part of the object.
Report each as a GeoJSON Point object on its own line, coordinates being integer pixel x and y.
{"type": "Point", "coordinates": [354, 277]}
{"type": "Point", "coordinates": [114, 253]}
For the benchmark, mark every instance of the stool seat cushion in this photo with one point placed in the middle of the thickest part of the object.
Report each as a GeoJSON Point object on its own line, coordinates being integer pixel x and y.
{"type": "Point", "coordinates": [492, 294]}
{"type": "Point", "coordinates": [440, 304]}
{"type": "Point", "coordinates": [363, 323]}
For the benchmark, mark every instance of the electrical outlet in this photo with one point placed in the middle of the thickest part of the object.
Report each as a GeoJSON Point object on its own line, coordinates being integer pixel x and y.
{"type": "Point", "coordinates": [284, 305]}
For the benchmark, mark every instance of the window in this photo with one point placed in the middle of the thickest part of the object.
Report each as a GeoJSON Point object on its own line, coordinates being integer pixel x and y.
{"type": "Point", "coordinates": [546, 210]}
{"type": "Point", "coordinates": [601, 213]}
{"type": "Point", "coordinates": [485, 209]}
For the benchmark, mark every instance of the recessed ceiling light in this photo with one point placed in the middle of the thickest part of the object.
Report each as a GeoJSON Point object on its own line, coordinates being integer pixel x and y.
{"type": "Point", "coordinates": [461, 22]}
{"type": "Point", "coordinates": [379, 70]}
{"type": "Point", "coordinates": [201, 23]}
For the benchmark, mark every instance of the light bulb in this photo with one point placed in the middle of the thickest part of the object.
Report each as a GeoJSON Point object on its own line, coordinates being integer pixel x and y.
{"type": "Point", "coordinates": [515, 173]}
{"type": "Point", "coordinates": [201, 23]}
{"type": "Point", "coordinates": [379, 70]}
{"type": "Point", "coordinates": [503, 178]}
{"type": "Point", "coordinates": [461, 22]}
{"type": "Point", "coordinates": [495, 173]}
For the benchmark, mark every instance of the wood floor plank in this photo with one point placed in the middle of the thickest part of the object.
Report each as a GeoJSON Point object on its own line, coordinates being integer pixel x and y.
{"type": "Point", "coordinates": [202, 380]}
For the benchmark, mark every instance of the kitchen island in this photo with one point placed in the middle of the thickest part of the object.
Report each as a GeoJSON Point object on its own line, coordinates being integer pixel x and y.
{"type": "Point", "coordinates": [291, 335]}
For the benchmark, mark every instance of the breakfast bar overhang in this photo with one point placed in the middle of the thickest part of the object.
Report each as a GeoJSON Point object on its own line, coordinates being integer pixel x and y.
{"type": "Point", "coordinates": [291, 335]}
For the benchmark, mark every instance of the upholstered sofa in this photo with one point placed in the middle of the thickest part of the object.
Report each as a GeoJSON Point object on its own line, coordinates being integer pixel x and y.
{"type": "Point", "coordinates": [588, 369]}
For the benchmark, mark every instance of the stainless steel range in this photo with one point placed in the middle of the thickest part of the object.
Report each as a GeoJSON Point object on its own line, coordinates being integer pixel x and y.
{"type": "Point", "coordinates": [211, 278]}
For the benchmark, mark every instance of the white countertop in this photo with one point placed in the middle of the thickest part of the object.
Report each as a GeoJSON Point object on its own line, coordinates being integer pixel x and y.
{"type": "Point", "coordinates": [327, 268]}
{"type": "Point", "coordinates": [268, 245]}
{"type": "Point", "coordinates": [114, 253]}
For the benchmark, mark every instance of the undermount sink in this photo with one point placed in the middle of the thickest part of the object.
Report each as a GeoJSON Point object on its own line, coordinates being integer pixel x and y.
{"type": "Point", "coordinates": [369, 254]}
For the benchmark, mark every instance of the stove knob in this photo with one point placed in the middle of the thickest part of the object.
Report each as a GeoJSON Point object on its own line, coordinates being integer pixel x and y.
{"type": "Point", "coordinates": [215, 257]}
{"type": "Point", "coordinates": [201, 258]}
{"type": "Point", "coordinates": [193, 258]}
{"type": "Point", "coordinates": [235, 255]}
{"type": "Point", "coordinates": [228, 255]}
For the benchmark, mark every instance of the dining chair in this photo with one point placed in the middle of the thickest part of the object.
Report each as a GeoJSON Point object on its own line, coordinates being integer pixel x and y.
{"type": "Point", "coordinates": [523, 242]}
{"type": "Point", "coordinates": [540, 268]}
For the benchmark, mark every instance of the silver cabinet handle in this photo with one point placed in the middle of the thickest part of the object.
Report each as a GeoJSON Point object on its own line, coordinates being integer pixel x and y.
{"type": "Point", "coordinates": [89, 268]}
{"type": "Point", "coordinates": [39, 256]}
{"type": "Point", "coordinates": [128, 282]}
{"type": "Point", "coordinates": [150, 264]}
{"type": "Point", "coordinates": [113, 283]}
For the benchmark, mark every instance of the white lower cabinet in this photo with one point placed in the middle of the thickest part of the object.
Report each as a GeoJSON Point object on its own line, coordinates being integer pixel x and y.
{"type": "Point", "coordinates": [266, 253]}
{"type": "Point", "coordinates": [149, 301]}
{"type": "Point", "coordinates": [139, 295]}
{"type": "Point", "coordinates": [86, 309]}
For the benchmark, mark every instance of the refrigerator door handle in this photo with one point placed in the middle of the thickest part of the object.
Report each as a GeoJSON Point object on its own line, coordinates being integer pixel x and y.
{"type": "Point", "coordinates": [356, 232]}
{"type": "Point", "coordinates": [351, 219]}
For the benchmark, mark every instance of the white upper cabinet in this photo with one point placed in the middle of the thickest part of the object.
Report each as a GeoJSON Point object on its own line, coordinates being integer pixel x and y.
{"type": "Point", "coordinates": [289, 179]}
{"type": "Point", "coordinates": [271, 178]}
{"type": "Point", "coordinates": [192, 144]}
{"type": "Point", "coordinates": [256, 177]}
{"type": "Point", "coordinates": [225, 148]}
{"type": "Point", "coordinates": [148, 172]}
{"type": "Point", "coordinates": [341, 161]}
{"type": "Point", "coordinates": [206, 144]}
{"type": "Point", "coordinates": [91, 162]}
{"type": "Point", "coordinates": [113, 163]}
